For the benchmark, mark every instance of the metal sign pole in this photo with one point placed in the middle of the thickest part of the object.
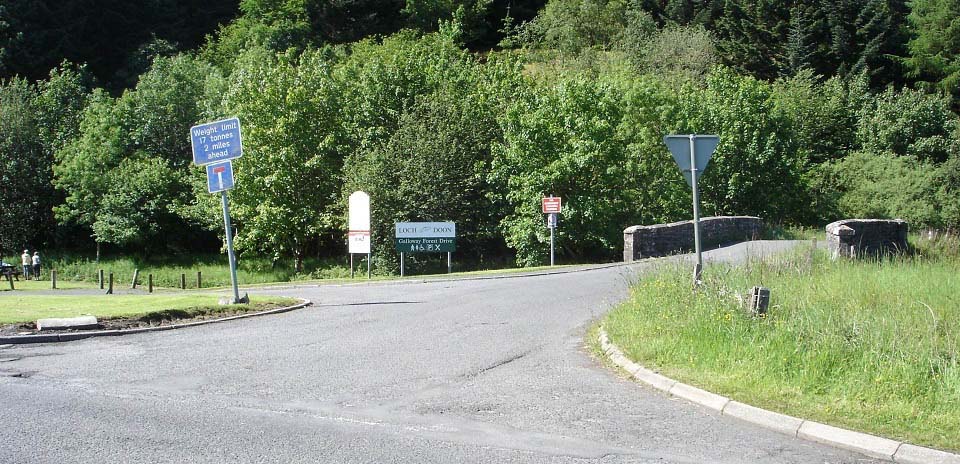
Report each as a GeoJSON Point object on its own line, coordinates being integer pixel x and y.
{"type": "Point", "coordinates": [401, 264]}
{"type": "Point", "coordinates": [696, 210]}
{"type": "Point", "coordinates": [449, 263]}
{"type": "Point", "coordinates": [368, 265]}
{"type": "Point", "coordinates": [551, 238]}
{"type": "Point", "coordinates": [351, 265]}
{"type": "Point", "coordinates": [230, 255]}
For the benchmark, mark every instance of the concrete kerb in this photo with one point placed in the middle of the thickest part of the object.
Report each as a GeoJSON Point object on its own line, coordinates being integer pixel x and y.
{"type": "Point", "coordinates": [867, 444]}
{"type": "Point", "coordinates": [70, 336]}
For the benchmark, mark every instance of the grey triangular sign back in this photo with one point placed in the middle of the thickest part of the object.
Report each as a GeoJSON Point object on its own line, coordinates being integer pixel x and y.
{"type": "Point", "coordinates": [679, 146]}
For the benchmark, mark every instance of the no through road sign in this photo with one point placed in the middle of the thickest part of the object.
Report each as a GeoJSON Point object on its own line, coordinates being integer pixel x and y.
{"type": "Point", "coordinates": [219, 177]}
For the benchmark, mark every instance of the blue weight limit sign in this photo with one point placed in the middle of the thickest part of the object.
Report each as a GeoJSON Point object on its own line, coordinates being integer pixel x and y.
{"type": "Point", "coordinates": [219, 177]}
{"type": "Point", "coordinates": [216, 141]}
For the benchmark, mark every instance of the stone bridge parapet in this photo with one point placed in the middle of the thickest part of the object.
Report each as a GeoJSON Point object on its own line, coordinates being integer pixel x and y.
{"type": "Point", "coordinates": [856, 237]}
{"type": "Point", "coordinates": [665, 239]}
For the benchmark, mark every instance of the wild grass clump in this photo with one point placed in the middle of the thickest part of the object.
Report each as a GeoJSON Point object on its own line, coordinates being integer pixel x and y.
{"type": "Point", "coordinates": [866, 344]}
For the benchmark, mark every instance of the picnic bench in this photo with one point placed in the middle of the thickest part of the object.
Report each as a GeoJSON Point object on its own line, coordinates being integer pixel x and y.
{"type": "Point", "coordinates": [9, 270]}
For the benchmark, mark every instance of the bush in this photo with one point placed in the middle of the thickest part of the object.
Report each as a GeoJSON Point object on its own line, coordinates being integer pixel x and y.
{"type": "Point", "coordinates": [910, 123]}
{"type": "Point", "coordinates": [433, 168]}
{"type": "Point", "coordinates": [288, 180]}
{"type": "Point", "coordinates": [684, 51]}
{"type": "Point", "coordinates": [824, 116]}
{"type": "Point", "coordinates": [758, 168]}
{"type": "Point", "coordinates": [421, 114]}
{"type": "Point", "coordinates": [568, 140]}
{"type": "Point", "coordinates": [885, 185]}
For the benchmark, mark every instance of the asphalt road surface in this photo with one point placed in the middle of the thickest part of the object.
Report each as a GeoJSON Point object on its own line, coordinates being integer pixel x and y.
{"type": "Point", "coordinates": [491, 370]}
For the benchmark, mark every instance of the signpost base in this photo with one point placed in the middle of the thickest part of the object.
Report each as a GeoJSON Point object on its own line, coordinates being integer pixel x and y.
{"type": "Point", "coordinates": [551, 246]}
{"type": "Point", "coordinates": [230, 255]}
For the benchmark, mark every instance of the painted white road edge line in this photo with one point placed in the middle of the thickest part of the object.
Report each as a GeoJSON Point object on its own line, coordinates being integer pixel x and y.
{"type": "Point", "coordinates": [867, 444]}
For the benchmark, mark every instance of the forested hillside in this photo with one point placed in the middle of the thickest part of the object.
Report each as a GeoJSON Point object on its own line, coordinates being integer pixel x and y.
{"type": "Point", "coordinates": [469, 111]}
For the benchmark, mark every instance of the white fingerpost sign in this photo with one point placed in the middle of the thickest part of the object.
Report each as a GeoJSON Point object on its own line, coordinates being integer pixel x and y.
{"type": "Point", "coordinates": [358, 222]}
{"type": "Point", "coordinates": [692, 153]}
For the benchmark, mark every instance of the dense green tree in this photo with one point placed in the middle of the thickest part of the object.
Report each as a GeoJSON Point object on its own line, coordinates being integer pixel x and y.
{"type": "Point", "coordinates": [288, 181]}
{"type": "Point", "coordinates": [767, 39]}
{"type": "Point", "coordinates": [470, 15]}
{"type": "Point", "coordinates": [40, 34]}
{"type": "Point", "coordinates": [421, 114]}
{"type": "Point", "coordinates": [752, 34]}
{"type": "Point", "coordinates": [885, 185]}
{"type": "Point", "coordinates": [910, 123]}
{"type": "Point", "coordinates": [880, 38]}
{"type": "Point", "coordinates": [685, 51]}
{"type": "Point", "coordinates": [934, 45]}
{"type": "Point", "coordinates": [279, 25]}
{"type": "Point", "coordinates": [800, 45]}
{"type": "Point", "coordinates": [824, 116]}
{"type": "Point", "coordinates": [128, 166]}
{"type": "Point", "coordinates": [947, 181]}
{"type": "Point", "coordinates": [275, 25]}
{"type": "Point", "coordinates": [656, 192]}
{"type": "Point", "coordinates": [26, 196]}
{"type": "Point", "coordinates": [683, 12]}
{"type": "Point", "coordinates": [434, 168]}
{"type": "Point", "coordinates": [386, 78]}
{"type": "Point", "coordinates": [758, 167]}
{"type": "Point", "coordinates": [35, 122]}
{"type": "Point", "coordinates": [59, 105]}
{"type": "Point", "coordinates": [563, 140]}
{"type": "Point", "coordinates": [679, 11]}
{"type": "Point", "coordinates": [639, 28]}
{"type": "Point", "coordinates": [343, 21]}
{"type": "Point", "coordinates": [574, 25]}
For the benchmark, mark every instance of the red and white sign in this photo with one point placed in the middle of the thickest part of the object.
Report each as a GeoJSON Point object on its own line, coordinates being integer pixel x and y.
{"type": "Point", "coordinates": [551, 205]}
{"type": "Point", "coordinates": [359, 241]}
{"type": "Point", "coordinates": [358, 236]}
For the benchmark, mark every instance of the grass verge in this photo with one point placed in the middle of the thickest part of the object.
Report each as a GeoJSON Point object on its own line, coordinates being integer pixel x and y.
{"type": "Point", "coordinates": [867, 345]}
{"type": "Point", "coordinates": [29, 308]}
{"type": "Point", "coordinates": [215, 271]}
{"type": "Point", "coordinates": [45, 285]}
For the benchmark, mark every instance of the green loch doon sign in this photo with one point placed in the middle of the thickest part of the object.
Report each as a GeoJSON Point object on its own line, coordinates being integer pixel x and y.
{"type": "Point", "coordinates": [425, 237]}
